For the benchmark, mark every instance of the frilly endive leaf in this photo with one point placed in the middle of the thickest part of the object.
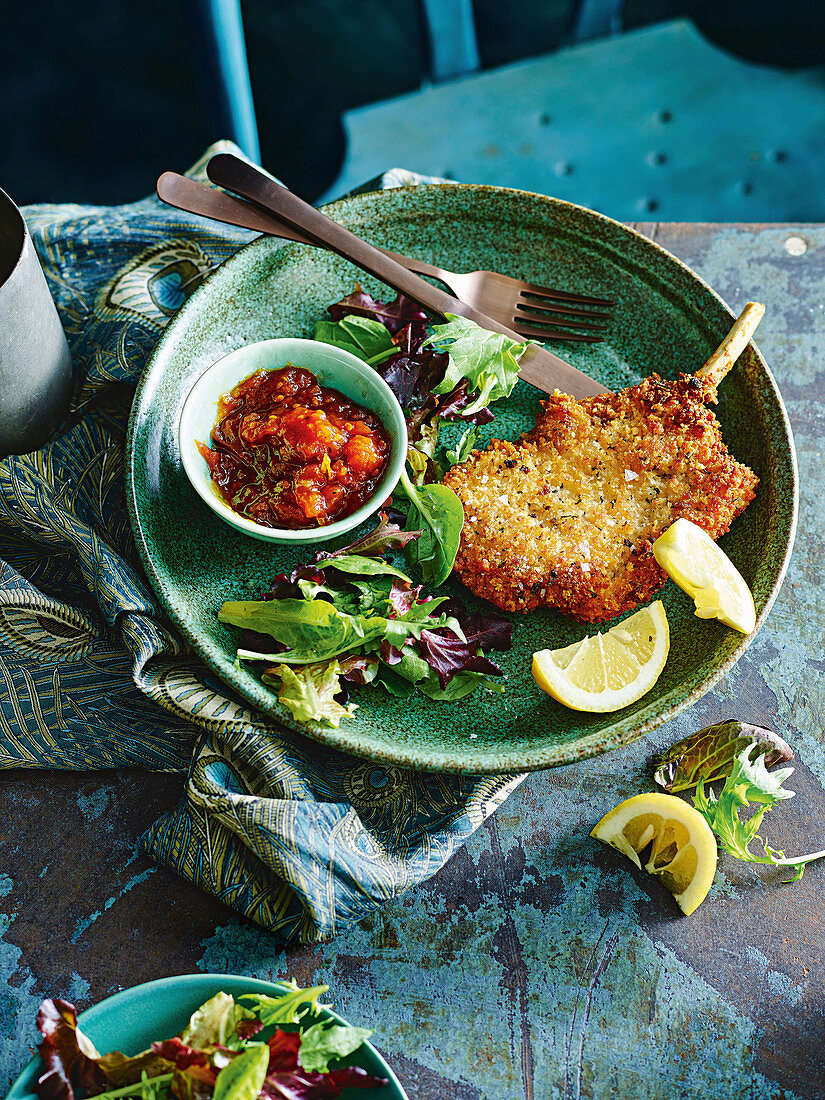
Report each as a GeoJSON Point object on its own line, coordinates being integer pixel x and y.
{"type": "Point", "coordinates": [749, 782]}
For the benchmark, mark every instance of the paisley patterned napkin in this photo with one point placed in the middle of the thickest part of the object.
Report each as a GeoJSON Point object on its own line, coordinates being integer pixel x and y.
{"type": "Point", "coordinates": [302, 840]}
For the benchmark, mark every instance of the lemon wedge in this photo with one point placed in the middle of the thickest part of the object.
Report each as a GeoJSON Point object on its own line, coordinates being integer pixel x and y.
{"type": "Point", "coordinates": [607, 671]}
{"type": "Point", "coordinates": [682, 847]}
{"type": "Point", "coordinates": [692, 559]}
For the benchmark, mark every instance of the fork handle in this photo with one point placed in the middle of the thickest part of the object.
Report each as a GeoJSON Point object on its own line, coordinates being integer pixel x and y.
{"type": "Point", "coordinates": [241, 177]}
{"type": "Point", "coordinates": [196, 198]}
{"type": "Point", "coordinates": [542, 368]}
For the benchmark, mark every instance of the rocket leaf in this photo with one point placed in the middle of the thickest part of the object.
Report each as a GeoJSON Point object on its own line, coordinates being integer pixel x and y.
{"type": "Point", "coordinates": [289, 1008]}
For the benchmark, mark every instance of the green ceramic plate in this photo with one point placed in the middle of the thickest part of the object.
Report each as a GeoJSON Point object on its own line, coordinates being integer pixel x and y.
{"type": "Point", "coordinates": [666, 319]}
{"type": "Point", "coordinates": [131, 1020]}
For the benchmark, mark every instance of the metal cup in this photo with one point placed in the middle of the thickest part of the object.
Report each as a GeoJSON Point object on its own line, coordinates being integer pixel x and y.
{"type": "Point", "coordinates": [35, 365]}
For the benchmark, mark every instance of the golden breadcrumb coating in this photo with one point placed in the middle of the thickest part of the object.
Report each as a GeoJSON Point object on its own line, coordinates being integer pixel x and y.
{"type": "Point", "coordinates": [567, 516]}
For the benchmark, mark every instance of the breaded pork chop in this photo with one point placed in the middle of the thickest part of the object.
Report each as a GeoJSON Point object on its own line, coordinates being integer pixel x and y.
{"type": "Point", "coordinates": [567, 516]}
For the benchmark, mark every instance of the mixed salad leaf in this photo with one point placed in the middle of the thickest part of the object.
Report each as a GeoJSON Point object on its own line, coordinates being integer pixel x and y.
{"type": "Point", "coordinates": [354, 618]}
{"type": "Point", "coordinates": [350, 616]}
{"type": "Point", "coordinates": [488, 361]}
{"type": "Point", "coordinates": [739, 753]}
{"type": "Point", "coordinates": [452, 371]}
{"type": "Point", "coordinates": [749, 782]}
{"type": "Point", "coordinates": [709, 754]}
{"type": "Point", "coordinates": [228, 1051]}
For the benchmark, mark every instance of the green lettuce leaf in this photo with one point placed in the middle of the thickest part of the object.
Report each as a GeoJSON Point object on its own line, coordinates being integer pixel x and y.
{"type": "Point", "coordinates": [213, 1023]}
{"type": "Point", "coordinates": [324, 1041]}
{"type": "Point", "coordinates": [312, 630]}
{"type": "Point", "coordinates": [309, 691]}
{"type": "Point", "coordinates": [243, 1077]}
{"type": "Point", "coordinates": [364, 596]}
{"type": "Point", "coordinates": [437, 512]}
{"type": "Point", "coordinates": [363, 567]}
{"type": "Point", "coordinates": [395, 685]}
{"type": "Point", "coordinates": [488, 360]}
{"type": "Point", "coordinates": [361, 336]}
{"type": "Point", "coordinates": [411, 667]}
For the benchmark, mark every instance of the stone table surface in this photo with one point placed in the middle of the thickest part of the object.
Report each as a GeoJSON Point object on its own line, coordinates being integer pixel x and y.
{"type": "Point", "coordinates": [537, 963]}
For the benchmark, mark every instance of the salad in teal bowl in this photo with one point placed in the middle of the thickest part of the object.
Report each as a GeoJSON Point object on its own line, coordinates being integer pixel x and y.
{"type": "Point", "coordinates": [204, 1037]}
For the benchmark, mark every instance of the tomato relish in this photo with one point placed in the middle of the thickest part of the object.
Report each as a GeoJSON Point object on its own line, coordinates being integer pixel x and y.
{"type": "Point", "coordinates": [287, 452]}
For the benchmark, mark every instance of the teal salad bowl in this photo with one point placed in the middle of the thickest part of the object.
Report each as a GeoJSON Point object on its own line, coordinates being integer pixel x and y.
{"type": "Point", "coordinates": [333, 367]}
{"type": "Point", "coordinates": [134, 1018]}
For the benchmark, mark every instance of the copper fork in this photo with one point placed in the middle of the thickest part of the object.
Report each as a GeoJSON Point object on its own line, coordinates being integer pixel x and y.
{"type": "Point", "coordinates": [531, 310]}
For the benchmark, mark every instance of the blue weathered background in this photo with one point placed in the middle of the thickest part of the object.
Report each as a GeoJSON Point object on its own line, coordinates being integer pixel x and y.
{"type": "Point", "coordinates": [537, 964]}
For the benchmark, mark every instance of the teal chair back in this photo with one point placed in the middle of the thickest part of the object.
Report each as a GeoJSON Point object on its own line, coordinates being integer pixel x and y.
{"type": "Point", "coordinates": [217, 28]}
{"type": "Point", "coordinates": [654, 124]}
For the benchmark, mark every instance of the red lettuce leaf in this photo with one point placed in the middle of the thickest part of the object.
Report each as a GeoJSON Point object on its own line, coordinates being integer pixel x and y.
{"type": "Point", "coordinates": [447, 654]}
{"type": "Point", "coordinates": [353, 1077]}
{"type": "Point", "coordinates": [390, 654]}
{"type": "Point", "coordinates": [196, 1082]}
{"type": "Point", "coordinates": [414, 371]}
{"type": "Point", "coordinates": [181, 1055]}
{"type": "Point", "coordinates": [401, 596]}
{"type": "Point", "coordinates": [449, 406]}
{"type": "Point", "coordinates": [401, 372]}
{"type": "Point", "coordinates": [302, 1084]}
{"type": "Point", "coordinates": [393, 315]}
{"type": "Point", "coordinates": [283, 1051]}
{"type": "Point", "coordinates": [285, 587]}
{"type": "Point", "coordinates": [70, 1060]}
{"type": "Point", "coordinates": [386, 536]}
{"type": "Point", "coordinates": [481, 629]}
{"type": "Point", "coordinates": [245, 1029]}
{"type": "Point", "coordinates": [357, 668]}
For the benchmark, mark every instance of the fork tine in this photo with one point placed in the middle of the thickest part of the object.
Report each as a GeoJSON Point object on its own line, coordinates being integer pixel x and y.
{"type": "Point", "coordinates": [543, 321]}
{"type": "Point", "coordinates": [563, 295]}
{"type": "Point", "coordinates": [531, 308]}
{"type": "Point", "coordinates": [552, 333]}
